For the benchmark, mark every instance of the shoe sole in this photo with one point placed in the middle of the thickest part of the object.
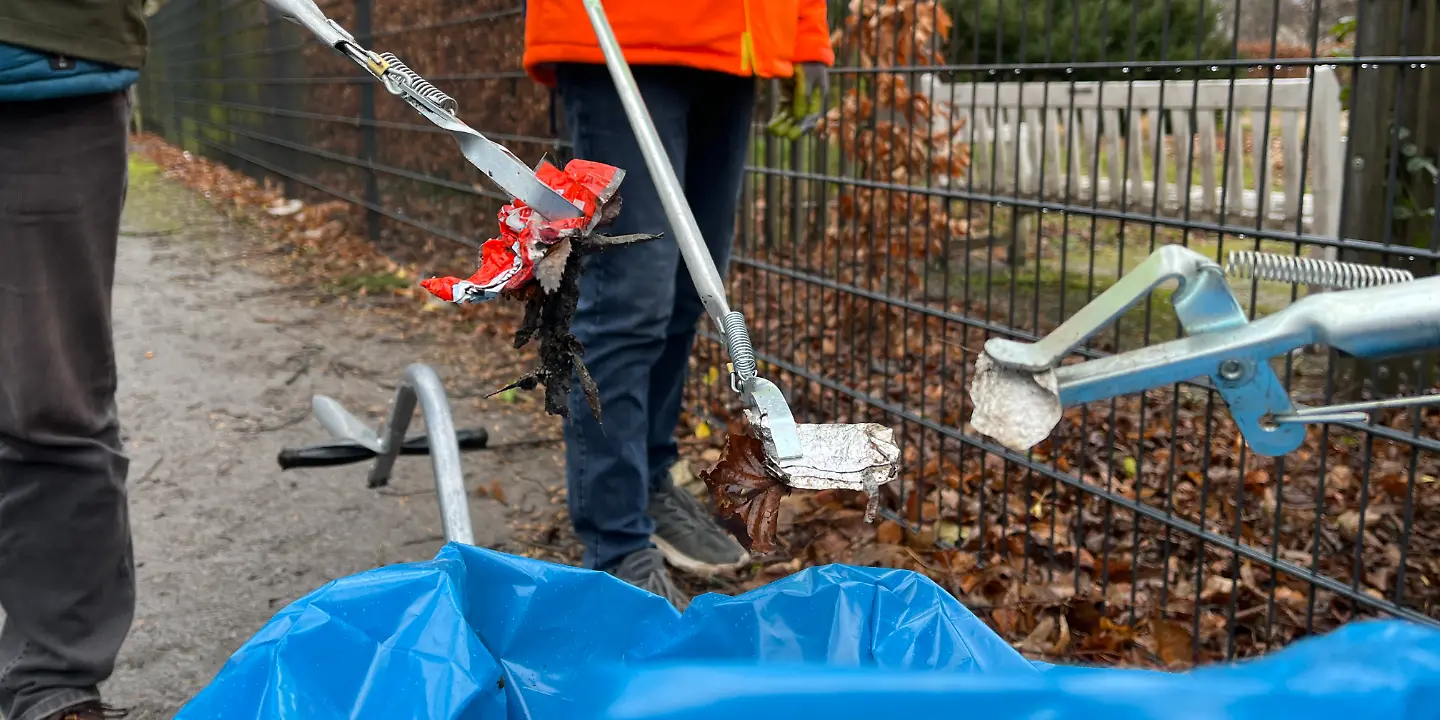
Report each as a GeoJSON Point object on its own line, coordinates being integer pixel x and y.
{"type": "Point", "coordinates": [693, 565]}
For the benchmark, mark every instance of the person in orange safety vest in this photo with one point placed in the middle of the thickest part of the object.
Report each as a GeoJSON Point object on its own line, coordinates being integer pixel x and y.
{"type": "Point", "coordinates": [696, 63]}
{"type": "Point", "coordinates": [748, 38]}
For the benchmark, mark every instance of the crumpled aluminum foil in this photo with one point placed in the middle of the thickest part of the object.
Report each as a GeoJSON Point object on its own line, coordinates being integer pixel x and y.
{"type": "Point", "coordinates": [1016, 408]}
{"type": "Point", "coordinates": [861, 456]}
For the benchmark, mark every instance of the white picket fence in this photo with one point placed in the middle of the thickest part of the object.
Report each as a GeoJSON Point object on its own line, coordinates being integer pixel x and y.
{"type": "Point", "coordinates": [1057, 161]}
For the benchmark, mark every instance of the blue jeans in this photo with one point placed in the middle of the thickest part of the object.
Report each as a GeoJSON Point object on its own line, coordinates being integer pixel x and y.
{"type": "Point", "coordinates": [638, 308]}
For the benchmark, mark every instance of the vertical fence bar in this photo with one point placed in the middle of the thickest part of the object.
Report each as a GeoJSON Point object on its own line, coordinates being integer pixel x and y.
{"type": "Point", "coordinates": [364, 31]}
{"type": "Point", "coordinates": [796, 198]}
{"type": "Point", "coordinates": [226, 86]}
{"type": "Point", "coordinates": [773, 185]}
{"type": "Point", "coordinates": [275, 42]}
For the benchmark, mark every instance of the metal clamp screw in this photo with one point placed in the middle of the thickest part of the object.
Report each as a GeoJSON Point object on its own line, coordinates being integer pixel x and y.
{"type": "Point", "coordinates": [1232, 370]}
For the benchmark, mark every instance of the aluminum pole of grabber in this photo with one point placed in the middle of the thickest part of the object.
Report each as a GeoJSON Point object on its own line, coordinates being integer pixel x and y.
{"type": "Point", "coordinates": [672, 194]}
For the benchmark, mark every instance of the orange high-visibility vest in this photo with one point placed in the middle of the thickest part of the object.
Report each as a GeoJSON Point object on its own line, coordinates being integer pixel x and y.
{"type": "Point", "coordinates": [765, 38]}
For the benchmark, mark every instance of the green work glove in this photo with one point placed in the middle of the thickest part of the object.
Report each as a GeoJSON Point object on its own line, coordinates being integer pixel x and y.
{"type": "Point", "coordinates": [802, 102]}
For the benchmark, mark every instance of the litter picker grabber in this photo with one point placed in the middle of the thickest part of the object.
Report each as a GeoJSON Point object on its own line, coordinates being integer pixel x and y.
{"type": "Point", "coordinates": [493, 159]}
{"type": "Point", "coordinates": [553, 220]}
{"type": "Point", "coordinates": [1020, 388]}
{"type": "Point", "coordinates": [851, 456]}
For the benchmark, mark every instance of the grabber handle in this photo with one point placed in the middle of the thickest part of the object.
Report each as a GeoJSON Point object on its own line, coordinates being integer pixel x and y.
{"type": "Point", "coordinates": [672, 194]}
{"type": "Point", "coordinates": [307, 13]}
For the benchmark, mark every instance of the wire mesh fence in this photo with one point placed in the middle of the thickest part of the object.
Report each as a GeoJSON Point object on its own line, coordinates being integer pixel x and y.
{"type": "Point", "coordinates": [983, 169]}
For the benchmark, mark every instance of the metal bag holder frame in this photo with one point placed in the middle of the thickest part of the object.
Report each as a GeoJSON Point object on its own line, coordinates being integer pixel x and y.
{"type": "Point", "coordinates": [356, 442]}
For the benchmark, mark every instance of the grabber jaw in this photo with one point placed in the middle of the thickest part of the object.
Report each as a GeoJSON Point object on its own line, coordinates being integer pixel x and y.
{"type": "Point", "coordinates": [769, 416]}
{"type": "Point", "coordinates": [853, 456]}
{"type": "Point", "coordinates": [1020, 389]}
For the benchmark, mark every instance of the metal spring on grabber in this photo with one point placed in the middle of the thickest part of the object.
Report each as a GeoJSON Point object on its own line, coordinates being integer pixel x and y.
{"type": "Point", "coordinates": [1246, 264]}
{"type": "Point", "coordinates": [417, 84]}
{"type": "Point", "coordinates": [742, 352]}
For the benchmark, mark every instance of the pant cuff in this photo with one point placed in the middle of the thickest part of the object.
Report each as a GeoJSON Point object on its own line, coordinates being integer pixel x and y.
{"type": "Point", "coordinates": [661, 481]}
{"type": "Point", "coordinates": [62, 700]}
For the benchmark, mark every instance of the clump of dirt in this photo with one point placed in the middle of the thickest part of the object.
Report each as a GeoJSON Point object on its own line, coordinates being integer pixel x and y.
{"type": "Point", "coordinates": [548, 314]}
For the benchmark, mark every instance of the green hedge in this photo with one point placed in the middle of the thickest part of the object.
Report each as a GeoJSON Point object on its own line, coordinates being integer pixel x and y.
{"type": "Point", "coordinates": [990, 32]}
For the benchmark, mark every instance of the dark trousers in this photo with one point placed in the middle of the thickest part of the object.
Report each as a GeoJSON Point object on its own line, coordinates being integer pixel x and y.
{"type": "Point", "coordinates": [67, 580]}
{"type": "Point", "coordinates": [638, 308]}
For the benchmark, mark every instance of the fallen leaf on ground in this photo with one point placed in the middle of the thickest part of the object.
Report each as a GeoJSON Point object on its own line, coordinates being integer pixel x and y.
{"type": "Point", "coordinates": [745, 495]}
{"type": "Point", "coordinates": [1004, 620]}
{"type": "Point", "coordinates": [1173, 642]}
{"type": "Point", "coordinates": [1039, 639]}
{"type": "Point", "coordinates": [1062, 642]}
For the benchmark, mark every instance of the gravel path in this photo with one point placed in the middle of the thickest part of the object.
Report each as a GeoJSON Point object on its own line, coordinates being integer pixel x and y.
{"type": "Point", "coordinates": [217, 368]}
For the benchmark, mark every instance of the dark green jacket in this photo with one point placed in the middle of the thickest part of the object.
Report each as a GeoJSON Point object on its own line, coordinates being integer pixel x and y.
{"type": "Point", "coordinates": [105, 31]}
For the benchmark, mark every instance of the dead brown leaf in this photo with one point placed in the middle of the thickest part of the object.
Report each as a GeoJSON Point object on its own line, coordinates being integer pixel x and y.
{"type": "Point", "coordinates": [1084, 617]}
{"type": "Point", "coordinates": [746, 496]}
{"type": "Point", "coordinates": [1109, 637]}
{"type": "Point", "coordinates": [1040, 639]}
{"type": "Point", "coordinates": [1256, 481]}
{"type": "Point", "coordinates": [1173, 640]}
{"type": "Point", "coordinates": [1005, 619]}
{"type": "Point", "coordinates": [1217, 589]}
{"type": "Point", "coordinates": [1062, 639]}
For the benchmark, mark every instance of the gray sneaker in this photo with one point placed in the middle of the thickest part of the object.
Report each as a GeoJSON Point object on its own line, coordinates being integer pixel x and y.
{"type": "Point", "coordinates": [646, 570]}
{"type": "Point", "coordinates": [689, 537]}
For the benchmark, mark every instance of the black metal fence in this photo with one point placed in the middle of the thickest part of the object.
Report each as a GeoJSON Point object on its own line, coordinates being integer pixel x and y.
{"type": "Point", "coordinates": [986, 167]}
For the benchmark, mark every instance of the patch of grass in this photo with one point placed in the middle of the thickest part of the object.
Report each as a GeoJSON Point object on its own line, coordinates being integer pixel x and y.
{"type": "Point", "coordinates": [1050, 289]}
{"type": "Point", "coordinates": [142, 170]}
{"type": "Point", "coordinates": [1023, 294]}
{"type": "Point", "coordinates": [367, 284]}
{"type": "Point", "coordinates": [1110, 263]}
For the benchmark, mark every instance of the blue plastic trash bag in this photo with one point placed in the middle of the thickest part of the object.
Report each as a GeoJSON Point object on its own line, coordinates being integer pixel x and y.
{"type": "Point", "coordinates": [478, 635]}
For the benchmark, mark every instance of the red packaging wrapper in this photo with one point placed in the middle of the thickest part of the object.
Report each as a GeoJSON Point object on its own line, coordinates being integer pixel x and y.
{"type": "Point", "coordinates": [507, 262]}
